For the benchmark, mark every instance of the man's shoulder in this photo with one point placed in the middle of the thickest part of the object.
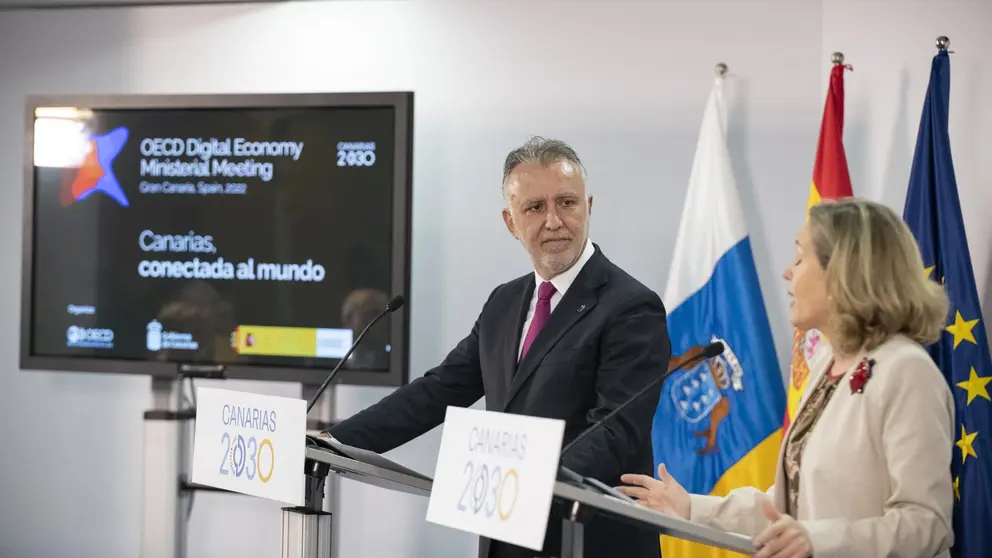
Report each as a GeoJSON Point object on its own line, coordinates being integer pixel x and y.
{"type": "Point", "coordinates": [622, 279]}
{"type": "Point", "coordinates": [617, 288]}
{"type": "Point", "coordinates": [625, 289]}
{"type": "Point", "coordinates": [511, 289]}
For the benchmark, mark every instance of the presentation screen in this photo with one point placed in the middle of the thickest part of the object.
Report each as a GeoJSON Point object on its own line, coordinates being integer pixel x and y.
{"type": "Point", "coordinates": [261, 233]}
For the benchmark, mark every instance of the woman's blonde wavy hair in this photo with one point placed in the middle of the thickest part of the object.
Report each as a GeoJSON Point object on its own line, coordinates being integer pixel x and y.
{"type": "Point", "coordinates": [875, 276]}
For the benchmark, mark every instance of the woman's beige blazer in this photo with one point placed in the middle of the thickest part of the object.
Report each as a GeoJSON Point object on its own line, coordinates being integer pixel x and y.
{"type": "Point", "coordinates": [875, 478]}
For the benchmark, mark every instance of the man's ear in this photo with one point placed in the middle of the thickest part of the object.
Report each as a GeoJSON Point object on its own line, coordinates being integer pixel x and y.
{"type": "Point", "coordinates": [508, 220]}
{"type": "Point", "coordinates": [590, 205]}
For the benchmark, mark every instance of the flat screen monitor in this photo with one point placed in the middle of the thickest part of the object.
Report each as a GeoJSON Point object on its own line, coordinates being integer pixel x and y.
{"type": "Point", "coordinates": [260, 233]}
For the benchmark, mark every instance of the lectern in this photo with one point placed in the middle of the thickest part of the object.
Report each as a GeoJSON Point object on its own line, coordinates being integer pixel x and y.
{"type": "Point", "coordinates": [306, 530]}
{"type": "Point", "coordinates": [257, 445]}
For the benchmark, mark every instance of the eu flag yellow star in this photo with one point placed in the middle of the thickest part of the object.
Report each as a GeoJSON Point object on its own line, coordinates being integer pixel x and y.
{"type": "Point", "coordinates": [929, 271]}
{"type": "Point", "coordinates": [976, 386]}
{"type": "Point", "coordinates": [957, 487]}
{"type": "Point", "coordinates": [965, 443]}
{"type": "Point", "coordinates": [961, 329]}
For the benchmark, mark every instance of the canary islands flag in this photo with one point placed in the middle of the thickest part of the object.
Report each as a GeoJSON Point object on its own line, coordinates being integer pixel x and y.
{"type": "Point", "coordinates": [933, 212]}
{"type": "Point", "coordinates": [718, 425]}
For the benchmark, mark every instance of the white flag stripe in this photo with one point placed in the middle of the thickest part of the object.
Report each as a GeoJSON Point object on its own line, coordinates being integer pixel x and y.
{"type": "Point", "coordinates": [712, 219]}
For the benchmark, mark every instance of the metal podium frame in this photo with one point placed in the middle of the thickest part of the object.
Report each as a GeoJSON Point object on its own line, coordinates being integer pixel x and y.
{"type": "Point", "coordinates": [322, 417]}
{"type": "Point", "coordinates": [586, 502]}
{"type": "Point", "coordinates": [307, 530]}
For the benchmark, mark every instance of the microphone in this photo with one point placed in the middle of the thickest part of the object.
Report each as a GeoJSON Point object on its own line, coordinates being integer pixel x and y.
{"type": "Point", "coordinates": [689, 358]}
{"type": "Point", "coordinates": [393, 305]}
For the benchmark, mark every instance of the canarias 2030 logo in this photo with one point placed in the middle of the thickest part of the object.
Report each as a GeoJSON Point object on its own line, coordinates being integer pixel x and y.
{"type": "Point", "coordinates": [248, 457]}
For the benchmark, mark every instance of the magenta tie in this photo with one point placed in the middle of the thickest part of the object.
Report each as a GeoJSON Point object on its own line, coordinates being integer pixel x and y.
{"type": "Point", "coordinates": [541, 314]}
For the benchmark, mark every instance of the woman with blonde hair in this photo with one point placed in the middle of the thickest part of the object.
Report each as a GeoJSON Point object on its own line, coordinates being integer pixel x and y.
{"type": "Point", "coordinates": [864, 468]}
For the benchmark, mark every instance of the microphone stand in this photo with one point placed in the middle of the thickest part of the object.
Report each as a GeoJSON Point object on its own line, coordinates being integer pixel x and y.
{"type": "Point", "coordinates": [395, 304]}
{"type": "Point", "coordinates": [344, 359]}
{"type": "Point", "coordinates": [573, 527]}
{"type": "Point", "coordinates": [316, 472]}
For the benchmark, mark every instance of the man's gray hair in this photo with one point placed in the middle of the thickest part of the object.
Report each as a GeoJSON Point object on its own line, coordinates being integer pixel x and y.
{"type": "Point", "coordinates": [541, 151]}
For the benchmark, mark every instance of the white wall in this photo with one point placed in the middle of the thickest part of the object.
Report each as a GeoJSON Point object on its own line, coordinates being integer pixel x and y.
{"type": "Point", "coordinates": [625, 83]}
{"type": "Point", "coordinates": [890, 45]}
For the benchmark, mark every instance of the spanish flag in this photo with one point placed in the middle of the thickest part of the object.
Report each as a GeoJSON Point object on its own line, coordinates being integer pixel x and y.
{"type": "Point", "coordinates": [830, 180]}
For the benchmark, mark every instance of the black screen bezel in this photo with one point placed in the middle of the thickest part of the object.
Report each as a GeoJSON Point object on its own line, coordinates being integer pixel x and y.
{"type": "Point", "coordinates": [402, 104]}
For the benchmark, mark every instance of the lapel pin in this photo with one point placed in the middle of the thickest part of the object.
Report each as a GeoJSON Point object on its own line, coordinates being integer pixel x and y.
{"type": "Point", "coordinates": [581, 308]}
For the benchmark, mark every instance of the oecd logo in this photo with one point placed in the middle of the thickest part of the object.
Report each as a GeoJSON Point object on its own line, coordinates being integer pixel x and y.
{"type": "Point", "coordinates": [89, 338]}
{"type": "Point", "coordinates": [72, 335]}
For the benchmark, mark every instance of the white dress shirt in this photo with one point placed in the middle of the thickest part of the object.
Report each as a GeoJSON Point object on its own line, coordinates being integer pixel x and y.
{"type": "Point", "coordinates": [561, 282]}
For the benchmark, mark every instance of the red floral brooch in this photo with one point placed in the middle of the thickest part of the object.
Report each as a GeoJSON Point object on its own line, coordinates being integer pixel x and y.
{"type": "Point", "coordinates": [861, 375]}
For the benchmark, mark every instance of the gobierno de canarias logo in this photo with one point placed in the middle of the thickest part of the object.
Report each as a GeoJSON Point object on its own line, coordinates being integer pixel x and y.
{"type": "Point", "coordinates": [96, 173]}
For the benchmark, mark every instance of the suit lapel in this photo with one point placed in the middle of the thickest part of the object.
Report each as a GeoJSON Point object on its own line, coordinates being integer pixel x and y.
{"type": "Point", "coordinates": [577, 302]}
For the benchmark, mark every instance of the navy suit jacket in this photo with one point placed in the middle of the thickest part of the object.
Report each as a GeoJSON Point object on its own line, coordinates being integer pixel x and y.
{"type": "Point", "coordinates": [605, 340]}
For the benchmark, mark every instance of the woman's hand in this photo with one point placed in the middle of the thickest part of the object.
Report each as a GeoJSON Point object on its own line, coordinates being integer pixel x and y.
{"type": "Point", "coordinates": [665, 495]}
{"type": "Point", "coordinates": [784, 538]}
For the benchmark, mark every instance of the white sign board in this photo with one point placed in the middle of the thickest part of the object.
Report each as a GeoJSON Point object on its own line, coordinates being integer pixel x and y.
{"type": "Point", "coordinates": [249, 443]}
{"type": "Point", "coordinates": [495, 475]}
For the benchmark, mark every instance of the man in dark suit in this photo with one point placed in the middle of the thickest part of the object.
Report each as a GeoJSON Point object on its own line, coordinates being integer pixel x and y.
{"type": "Point", "coordinates": [570, 341]}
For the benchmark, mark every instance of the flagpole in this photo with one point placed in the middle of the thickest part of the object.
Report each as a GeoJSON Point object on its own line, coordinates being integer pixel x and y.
{"type": "Point", "coordinates": [943, 43]}
{"type": "Point", "coordinates": [837, 58]}
{"type": "Point", "coordinates": [721, 69]}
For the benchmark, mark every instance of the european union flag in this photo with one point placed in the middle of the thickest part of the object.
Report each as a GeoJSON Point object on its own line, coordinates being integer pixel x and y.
{"type": "Point", "coordinates": [933, 212]}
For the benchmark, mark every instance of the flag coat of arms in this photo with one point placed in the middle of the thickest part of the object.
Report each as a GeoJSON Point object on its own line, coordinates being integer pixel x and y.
{"type": "Point", "coordinates": [831, 180]}
{"type": "Point", "coordinates": [933, 213]}
{"type": "Point", "coordinates": [718, 425]}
